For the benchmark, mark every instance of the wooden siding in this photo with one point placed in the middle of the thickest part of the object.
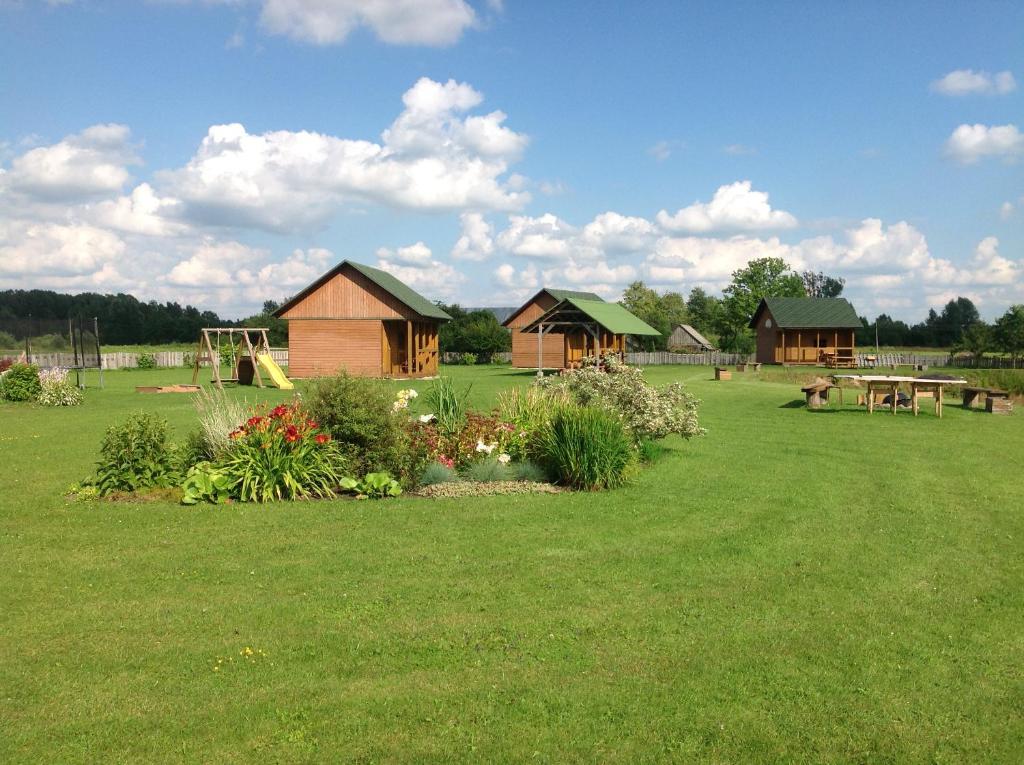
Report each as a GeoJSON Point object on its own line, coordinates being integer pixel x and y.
{"type": "Point", "coordinates": [319, 347]}
{"type": "Point", "coordinates": [350, 295]}
{"type": "Point", "coordinates": [766, 338]}
{"type": "Point", "coordinates": [524, 346]}
{"type": "Point", "coordinates": [800, 346]}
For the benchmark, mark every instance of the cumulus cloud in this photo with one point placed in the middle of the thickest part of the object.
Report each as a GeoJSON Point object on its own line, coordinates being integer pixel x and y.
{"type": "Point", "coordinates": [86, 164]}
{"type": "Point", "coordinates": [969, 143]}
{"type": "Point", "coordinates": [431, 158]}
{"type": "Point", "coordinates": [613, 234]}
{"type": "Point", "coordinates": [418, 255]}
{"type": "Point", "coordinates": [963, 82]}
{"type": "Point", "coordinates": [399, 22]}
{"type": "Point", "coordinates": [416, 266]}
{"type": "Point", "coordinates": [141, 212]}
{"type": "Point", "coordinates": [545, 236]}
{"type": "Point", "coordinates": [34, 249]}
{"type": "Point", "coordinates": [734, 207]}
{"type": "Point", "coordinates": [476, 242]}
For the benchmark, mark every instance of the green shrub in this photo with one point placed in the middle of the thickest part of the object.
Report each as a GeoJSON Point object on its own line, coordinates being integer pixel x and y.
{"type": "Point", "coordinates": [20, 383]}
{"type": "Point", "coordinates": [281, 455]}
{"type": "Point", "coordinates": [528, 471]}
{"type": "Point", "coordinates": [205, 483]}
{"type": "Point", "coordinates": [646, 411]}
{"type": "Point", "coordinates": [146, 361]}
{"type": "Point", "coordinates": [7, 342]}
{"type": "Point", "coordinates": [587, 448]}
{"type": "Point", "coordinates": [135, 455]}
{"type": "Point", "coordinates": [437, 473]}
{"type": "Point", "coordinates": [488, 470]}
{"type": "Point", "coordinates": [227, 355]}
{"type": "Point", "coordinates": [55, 389]}
{"type": "Point", "coordinates": [193, 450]}
{"type": "Point", "coordinates": [530, 412]}
{"type": "Point", "coordinates": [358, 413]}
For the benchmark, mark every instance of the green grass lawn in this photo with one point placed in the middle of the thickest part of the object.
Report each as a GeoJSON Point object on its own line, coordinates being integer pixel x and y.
{"type": "Point", "coordinates": [796, 586]}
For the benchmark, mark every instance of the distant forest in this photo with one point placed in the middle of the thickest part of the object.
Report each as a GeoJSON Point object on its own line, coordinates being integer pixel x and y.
{"type": "Point", "coordinates": [125, 320]}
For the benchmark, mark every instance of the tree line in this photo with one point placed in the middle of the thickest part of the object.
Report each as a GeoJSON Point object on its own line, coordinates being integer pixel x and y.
{"type": "Point", "coordinates": [958, 326]}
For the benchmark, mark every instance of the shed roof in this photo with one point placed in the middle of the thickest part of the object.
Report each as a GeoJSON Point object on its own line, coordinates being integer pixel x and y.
{"type": "Point", "coordinates": [812, 313]}
{"type": "Point", "coordinates": [557, 294]}
{"type": "Point", "coordinates": [611, 316]}
{"type": "Point", "coordinates": [393, 286]}
{"type": "Point", "coordinates": [697, 336]}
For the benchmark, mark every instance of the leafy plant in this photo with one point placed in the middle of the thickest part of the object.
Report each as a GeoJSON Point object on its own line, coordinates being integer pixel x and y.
{"type": "Point", "coordinates": [55, 389]}
{"type": "Point", "coordinates": [135, 455]}
{"type": "Point", "coordinates": [373, 486]}
{"type": "Point", "coordinates": [219, 414]}
{"type": "Point", "coordinates": [530, 411]}
{"type": "Point", "coordinates": [281, 455]}
{"type": "Point", "coordinates": [587, 448]}
{"type": "Point", "coordinates": [20, 383]}
{"type": "Point", "coordinates": [359, 414]}
{"type": "Point", "coordinates": [437, 473]}
{"type": "Point", "coordinates": [528, 471]}
{"type": "Point", "coordinates": [447, 405]}
{"type": "Point", "coordinates": [146, 360]}
{"type": "Point", "coordinates": [205, 483]}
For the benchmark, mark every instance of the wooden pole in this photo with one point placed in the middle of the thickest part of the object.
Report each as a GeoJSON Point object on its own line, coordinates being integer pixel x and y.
{"type": "Point", "coordinates": [540, 350]}
{"type": "Point", "coordinates": [408, 347]}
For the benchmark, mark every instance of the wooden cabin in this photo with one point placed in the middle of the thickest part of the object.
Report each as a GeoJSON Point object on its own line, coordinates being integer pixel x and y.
{"type": "Point", "coordinates": [364, 321]}
{"type": "Point", "coordinates": [524, 347]}
{"type": "Point", "coordinates": [686, 339]}
{"type": "Point", "coordinates": [586, 328]}
{"type": "Point", "coordinates": [813, 331]}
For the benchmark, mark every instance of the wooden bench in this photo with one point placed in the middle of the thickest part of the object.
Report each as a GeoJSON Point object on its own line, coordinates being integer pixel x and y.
{"type": "Point", "coordinates": [721, 373]}
{"type": "Point", "coordinates": [970, 395]}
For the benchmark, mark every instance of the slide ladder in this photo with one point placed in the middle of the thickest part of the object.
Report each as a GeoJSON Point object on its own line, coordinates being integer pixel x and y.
{"type": "Point", "coordinates": [276, 375]}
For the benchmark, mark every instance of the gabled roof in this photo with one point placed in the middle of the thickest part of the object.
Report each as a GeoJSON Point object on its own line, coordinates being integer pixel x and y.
{"type": "Point", "coordinates": [611, 316]}
{"type": "Point", "coordinates": [558, 295]}
{"type": "Point", "coordinates": [397, 289]}
{"type": "Point", "coordinates": [697, 336]}
{"type": "Point", "coordinates": [810, 313]}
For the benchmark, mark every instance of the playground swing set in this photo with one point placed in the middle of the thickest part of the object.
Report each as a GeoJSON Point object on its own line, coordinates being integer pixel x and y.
{"type": "Point", "coordinates": [246, 357]}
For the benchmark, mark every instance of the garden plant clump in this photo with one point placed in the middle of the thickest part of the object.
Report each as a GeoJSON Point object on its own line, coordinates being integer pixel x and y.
{"type": "Point", "coordinates": [135, 455]}
{"type": "Point", "coordinates": [55, 389]}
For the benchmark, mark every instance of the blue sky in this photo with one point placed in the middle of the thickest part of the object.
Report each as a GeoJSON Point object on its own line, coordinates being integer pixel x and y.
{"type": "Point", "coordinates": [223, 153]}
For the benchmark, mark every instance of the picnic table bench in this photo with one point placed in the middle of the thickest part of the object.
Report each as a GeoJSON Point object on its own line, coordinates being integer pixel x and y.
{"type": "Point", "coordinates": [816, 393]}
{"type": "Point", "coordinates": [970, 395]}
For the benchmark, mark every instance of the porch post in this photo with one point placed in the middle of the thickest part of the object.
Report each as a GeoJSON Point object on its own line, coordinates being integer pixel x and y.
{"type": "Point", "coordinates": [409, 360]}
{"type": "Point", "coordinates": [540, 350]}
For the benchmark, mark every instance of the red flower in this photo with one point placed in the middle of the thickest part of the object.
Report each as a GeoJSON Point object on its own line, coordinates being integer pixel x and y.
{"type": "Point", "coordinates": [252, 422]}
{"type": "Point", "coordinates": [292, 434]}
{"type": "Point", "coordinates": [323, 438]}
{"type": "Point", "coordinates": [279, 411]}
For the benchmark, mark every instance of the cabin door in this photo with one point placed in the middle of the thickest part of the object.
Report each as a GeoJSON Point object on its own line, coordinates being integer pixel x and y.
{"type": "Point", "coordinates": [393, 348]}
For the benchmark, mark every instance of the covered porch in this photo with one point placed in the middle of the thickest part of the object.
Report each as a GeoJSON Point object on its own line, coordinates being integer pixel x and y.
{"type": "Point", "coordinates": [816, 347]}
{"type": "Point", "coordinates": [409, 348]}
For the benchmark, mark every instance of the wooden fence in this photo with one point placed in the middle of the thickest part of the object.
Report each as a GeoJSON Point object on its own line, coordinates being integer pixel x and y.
{"type": "Point", "coordinates": [713, 358]}
{"type": "Point", "coordinates": [123, 360]}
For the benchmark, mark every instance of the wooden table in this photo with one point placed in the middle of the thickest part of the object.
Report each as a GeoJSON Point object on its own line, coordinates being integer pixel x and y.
{"type": "Point", "coordinates": [891, 384]}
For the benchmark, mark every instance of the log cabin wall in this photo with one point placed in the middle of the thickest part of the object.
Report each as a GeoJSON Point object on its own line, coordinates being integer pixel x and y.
{"type": "Point", "coordinates": [319, 347]}
{"type": "Point", "coordinates": [348, 295]}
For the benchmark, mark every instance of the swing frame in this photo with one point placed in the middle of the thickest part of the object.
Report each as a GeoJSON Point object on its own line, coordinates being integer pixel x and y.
{"type": "Point", "coordinates": [209, 336]}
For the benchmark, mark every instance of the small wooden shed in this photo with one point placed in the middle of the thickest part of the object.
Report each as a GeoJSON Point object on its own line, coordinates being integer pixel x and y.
{"type": "Point", "coordinates": [587, 328]}
{"type": "Point", "coordinates": [524, 347]}
{"type": "Point", "coordinates": [364, 321]}
{"type": "Point", "coordinates": [814, 331]}
{"type": "Point", "coordinates": [685, 338]}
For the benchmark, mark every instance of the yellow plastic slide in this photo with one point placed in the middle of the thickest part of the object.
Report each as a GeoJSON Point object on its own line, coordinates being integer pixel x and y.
{"type": "Point", "coordinates": [276, 375]}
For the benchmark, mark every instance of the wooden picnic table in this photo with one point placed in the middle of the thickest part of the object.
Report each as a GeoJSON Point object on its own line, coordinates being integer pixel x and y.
{"type": "Point", "coordinates": [970, 395]}
{"type": "Point", "coordinates": [919, 387]}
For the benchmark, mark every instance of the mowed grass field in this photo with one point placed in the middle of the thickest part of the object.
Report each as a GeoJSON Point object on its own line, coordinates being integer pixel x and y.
{"type": "Point", "coordinates": [796, 586]}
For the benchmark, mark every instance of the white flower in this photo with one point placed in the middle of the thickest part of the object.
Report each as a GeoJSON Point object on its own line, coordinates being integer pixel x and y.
{"type": "Point", "coordinates": [426, 418]}
{"type": "Point", "coordinates": [398, 405]}
{"type": "Point", "coordinates": [411, 393]}
{"type": "Point", "coordinates": [504, 459]}
{"type": "Point", "coordinates": [486, 448]}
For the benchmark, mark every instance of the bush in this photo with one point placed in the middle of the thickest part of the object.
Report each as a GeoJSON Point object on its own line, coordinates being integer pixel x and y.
{"type": "Point", "coordinates": [480, 436]}
{"type": "Point", "coordinates": [529, 411]}
{"type": "Point", "coordinates": [646, 411]}
{"type": "Point", "coordinates": [447, 405]}
{"type": "Point", "coordinates": [55, 389]}
{"type": "Point", "coordinates": [20, 383]}
{"type": "Point", "coordinates": [358, 413]}
{"type": "Point", "coordinates": [280, 455]}
{"type": "Point", "coordinates": [587, 448]}
{"type": "Point", "coordinates": [219, 414]}
{"type": "Point", "coordinates": [7, 342]}
{"type": "Point", "coordinates": [135, 455]}
{"type": "Point", "coordinates": [146, 361]}
{"type": "Point", "coordinates": [437, 473]}
{"type": "Point", "coordinates": [488, 470]}
{"type": "Point", "coordinates": [528, 471]}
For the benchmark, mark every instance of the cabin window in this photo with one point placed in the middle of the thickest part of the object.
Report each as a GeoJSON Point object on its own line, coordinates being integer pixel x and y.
{"type": "Point", "coordinates": [767, 323]}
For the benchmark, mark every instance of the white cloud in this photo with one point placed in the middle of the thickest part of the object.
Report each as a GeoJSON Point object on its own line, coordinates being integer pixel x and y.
{"type": "Point", "coordinates": [142, 212]}
{"type": "Point", "coordinates": [662, 150]}
{"type": "Point", "coordinates": [430, 159]}
{"type": "Point", "coordinates": [870, 246]}
{"type": "Point", "coordinates": [417, 255]}
{"type": "Point", "coordinates": [962, 82]}
{"type": "Point", "coordinates": [476, 242]}
{"type": "Point", "coordinates": [546, 236]}
{"type": "Point", "coordinates": [399, 22]}
{"type": "Point", "coordinates": [969, 143]}
{"type": "Point", "coordinates": [31, 249]}
{"type": "Point", "coordinates": [734, 207]}
{"type": "Point", "coordinates": [1006, 211]}
{"type": "Point", "coordinates": [217, 264]}
{"type": "Point", "coordinates": [92, 162]}
{"type": "Point", "coordinates": [739, 150]}
{"type": "Point", "coordinates": [706, 261]}
{"type": "Point", "coordinates": [433, 278]}
{"type": "Point", "coordinates": [613, 234]}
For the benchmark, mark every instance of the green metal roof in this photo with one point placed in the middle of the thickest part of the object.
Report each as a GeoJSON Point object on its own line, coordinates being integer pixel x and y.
{"type": "Point", "coordinates": [399, 290]}
{"type": "Point", "coordinates": [612, 316]}
{"type": "Point", "coordinates": [566, 294]}
{"type": "Point", "coordinates": [811, 313]}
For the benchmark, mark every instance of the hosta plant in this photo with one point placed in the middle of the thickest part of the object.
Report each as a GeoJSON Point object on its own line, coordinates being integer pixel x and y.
{"type": "Point", "coordinates": [373, 486]}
